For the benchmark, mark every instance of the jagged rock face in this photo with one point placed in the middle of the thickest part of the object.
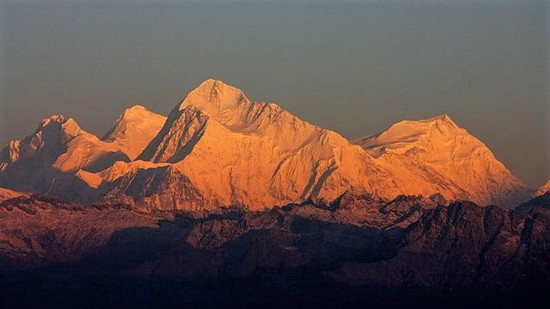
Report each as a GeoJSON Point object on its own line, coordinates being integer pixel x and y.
{"type": "Point", "coordinates": [148, 188]}
{"type": "Point", "coordinates": [356, 244]}
{"type": "Point", "coordinates": [37, 231]}
{"type": "Point", "coordinates": [221, 149]}
{"type": "Point", "coordinates": [463, 246]}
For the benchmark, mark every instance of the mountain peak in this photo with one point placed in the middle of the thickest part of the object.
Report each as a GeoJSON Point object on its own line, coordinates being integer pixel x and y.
{"type": "Point", "coordinates": [437, 143]}
{"type": "Point", "coordinates": [212, 87]}
{"type": "Point", "coordinates": [57, 118]}
{"type": "Point", "coordinates": [443, 118]}
{"type": "Point", "coordinates": [214, 96]}
{"type": "Point", "coordinates": [439, 119]}
{"type": "Point", "coordinates": [136, 113]}
{"type": "Point", "coordinates": [68, 125]}
{"type": "Point", "coordinates": [410, 131]}
{"type": "Point", "coordinates": [134, 129]}
{"type": "Point", "coordinates": [211, 83]}
{"type": "Point", "coordinates": [135, 109]}
{"type": "Point", "coordinates": [226, 150]}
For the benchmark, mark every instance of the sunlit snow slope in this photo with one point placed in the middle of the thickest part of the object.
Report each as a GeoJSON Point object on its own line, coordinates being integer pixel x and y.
{"type": "Point", "coordinates": [217, 148]}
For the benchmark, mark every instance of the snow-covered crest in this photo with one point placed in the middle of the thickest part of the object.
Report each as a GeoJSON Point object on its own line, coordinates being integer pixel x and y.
{"type": "Point", "coordinates": [217, 148]}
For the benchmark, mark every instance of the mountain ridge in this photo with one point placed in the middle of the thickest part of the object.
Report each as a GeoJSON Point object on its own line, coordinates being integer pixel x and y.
{"type": "Point", "coordinates": [543, 189]}
{"type": "Point", "coordinates": [217, 148]}
{"type": "Point", "coordinates": [360, 246]}
{"type": "Point", "coordinates": [439, 145]}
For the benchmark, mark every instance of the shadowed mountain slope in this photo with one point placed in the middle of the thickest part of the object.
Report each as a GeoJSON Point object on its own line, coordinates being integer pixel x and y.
{"type": "Point", "coordinates": [358, 250]}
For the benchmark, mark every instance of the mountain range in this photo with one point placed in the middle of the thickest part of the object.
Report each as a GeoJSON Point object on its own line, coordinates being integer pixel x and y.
{"type": "Point", "coordinates": [226, 202]}
{"type": "Point", "coordinates": [358, 251]}
{"type": "Point", "coordinates": [219, 149]}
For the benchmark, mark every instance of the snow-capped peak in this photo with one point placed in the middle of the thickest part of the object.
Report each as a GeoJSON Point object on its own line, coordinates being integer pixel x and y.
{"type": "Point", "coordinates": [217, 148]}
{"type": "Point", "coordinates": [410, 131]}
{"type": "Point", "coordinates": [134, 129]}
{"type": "Point", "coordinates": [229, 106]}
{"type": "Point", "coordinates": [56, 118]}
{"type": "Point", "coordinates": [443, 118]}
{"type": "Point", "coordinates": [214, 97]}
{"type": "Point", "coordinates": [133, 116]}
{"type": "Point", "coordinates": [58, 145]}
{"type": "Point", "coordinates": [136, 110]}
{"type": "Point", "coordinates": [448, 153]}
{"type": "Point", "coordinates": [68, 126]}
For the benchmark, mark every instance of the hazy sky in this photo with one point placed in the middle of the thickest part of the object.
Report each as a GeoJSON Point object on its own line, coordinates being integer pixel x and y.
{"type": "Point", "coordinates": [353, 67]}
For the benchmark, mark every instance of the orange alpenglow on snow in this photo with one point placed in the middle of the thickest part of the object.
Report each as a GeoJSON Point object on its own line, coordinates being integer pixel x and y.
{"type": "Point", "coordinates": [543, 189]}
{"type": "Point", "coordinates": [6, 194]}
{"type": "Point", "coordinates": [134, 129]}
{"type": "Point", "coordinates": [217, 148]}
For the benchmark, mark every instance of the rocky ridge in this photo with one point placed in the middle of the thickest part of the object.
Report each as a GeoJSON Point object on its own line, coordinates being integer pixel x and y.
{"type": "Point", "coordinates": [359, 246]}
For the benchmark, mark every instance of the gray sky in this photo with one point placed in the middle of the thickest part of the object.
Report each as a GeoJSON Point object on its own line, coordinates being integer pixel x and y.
{"type": "Point", "coordinates": [353, 67]}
